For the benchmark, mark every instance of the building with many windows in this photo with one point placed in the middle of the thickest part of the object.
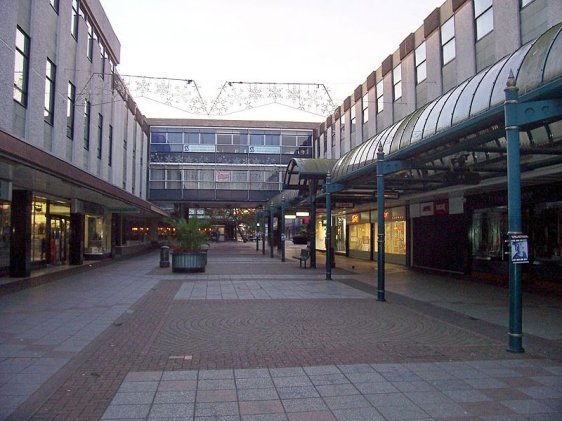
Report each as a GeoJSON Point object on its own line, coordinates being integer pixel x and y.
{"type": "Point", "coordinates": [435, 107]}
{"type": "Point", "coordinates": [221, 163]}
{"type": "Point", "coordinates": [73, 144]}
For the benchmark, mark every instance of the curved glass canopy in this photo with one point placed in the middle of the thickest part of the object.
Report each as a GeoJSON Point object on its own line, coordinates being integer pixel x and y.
{"type": "Point", "coordinates": [533, 65]}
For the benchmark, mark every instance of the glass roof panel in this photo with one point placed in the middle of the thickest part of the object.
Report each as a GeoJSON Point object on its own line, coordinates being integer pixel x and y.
{"type": "Point", "coordinates": [553, 67]}
{"type": "Point", "coordinates": [513, 63]}
{"type": "Point", "coordinates": [395, 141]}
{"type": "Point", "coordinates": [531, 73]}
{"type": "Point", "coordinates": [446, 116]}
{"type": "Point", "coordinates": [409, 129]}
{"type": "Point", "coordinates": [417, 133]}
{"type": "Point", "coordinates": [481, 100]}
{"type": "Point", "coordinates": [431, 124]}
{"type": "Point", "coordinates": [462, 108]}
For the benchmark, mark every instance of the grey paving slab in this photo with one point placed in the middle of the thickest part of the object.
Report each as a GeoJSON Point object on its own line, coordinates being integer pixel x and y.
{"type": "Point", "coordinates": [133, 398]}
{"type": "Point", "coordinates": [303, 405]}
{"type": "Point", "coordinates": [171, 410]}
{"type": "Point", "coordinates": [257, 394]}
{"type": "Point", "coordinates": [292, 381]}
{"type": "Point", "coordinates": [254, 383]}
{"type": "Point", "coordinates": [346, 402]}
{"type": "Point", "coordinates": [216, 409]}
{"type": "Point", "coordinates": [126, 411]}
{"type": "Point", "coordinates": [248, 373]}
{"type": "Point", "coordinates": [337, 390]}
{"type": "Point", "coordinates": [358, 414]}
{"type": "Point", "coordinates": [297, 392]}
{"type": "Point", "coordinates": [175, 397]}
{"type": "Point", "coordinates": [327, 379]}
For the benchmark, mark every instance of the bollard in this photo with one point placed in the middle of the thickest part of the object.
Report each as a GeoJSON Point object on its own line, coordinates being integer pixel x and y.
{"type": "Point", "coordinates": [164, 257]}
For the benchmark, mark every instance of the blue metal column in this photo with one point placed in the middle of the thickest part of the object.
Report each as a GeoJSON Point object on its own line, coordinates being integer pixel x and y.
{"type": "Point", "coordinates": [328, 228]}
{"type": "Point", "coordinates": [263, 231]}
{"type": "Point", "coordinates": [271, 230]}
{"type": "Point", "coordinates": [282, 228]}
{"type": "Point", "coordinates": [380, 223]}
{"type": "Point", "coordinates": [312, 224]}
{"type": "Point", "coordinates": [258, 219]}
{"type": "Point", "coordinates": [514, 212]}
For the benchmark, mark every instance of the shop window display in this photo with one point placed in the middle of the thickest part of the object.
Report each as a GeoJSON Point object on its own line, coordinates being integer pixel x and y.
{"type": "Point", "coordinates": [5, 216]}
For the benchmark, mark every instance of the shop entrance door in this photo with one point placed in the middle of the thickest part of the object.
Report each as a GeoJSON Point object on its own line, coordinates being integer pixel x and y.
{"type": "Point", "coordinates": [59, 235]}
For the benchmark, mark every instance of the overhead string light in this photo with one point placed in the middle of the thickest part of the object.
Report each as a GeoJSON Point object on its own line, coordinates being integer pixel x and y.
{"type": "Point", "coordinates": [233, 97]}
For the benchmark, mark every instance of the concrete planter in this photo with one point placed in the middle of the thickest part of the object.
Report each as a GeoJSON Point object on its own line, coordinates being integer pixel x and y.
{"type": "Point", "coordinates": [189, 261]}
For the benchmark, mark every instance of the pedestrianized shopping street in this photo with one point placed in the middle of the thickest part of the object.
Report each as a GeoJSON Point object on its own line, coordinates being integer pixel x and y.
{"type": "Point", "coordinates": [254, 338]}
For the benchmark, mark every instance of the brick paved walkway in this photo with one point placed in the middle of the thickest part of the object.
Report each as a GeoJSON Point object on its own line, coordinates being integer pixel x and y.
{"type": "Point", "coordinates": [254, 338]}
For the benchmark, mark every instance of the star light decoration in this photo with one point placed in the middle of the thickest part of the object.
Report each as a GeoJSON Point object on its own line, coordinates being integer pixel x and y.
{"type": "Point", "coordinates": [233, 97]}
{"type": "Point", "coordinates": [238, 96]}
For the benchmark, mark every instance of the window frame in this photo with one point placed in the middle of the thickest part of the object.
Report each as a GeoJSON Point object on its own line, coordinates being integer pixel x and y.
{"type": "Point", "coordinates": [421, 63]}
{"type": "Point", "coordinates": [49, 104]}
{"type": "Point", "coordinates": [100, 136]}
{"type": "Point", "coordinates": [23, 89]}
{"type": "Point", "coordinates": [397, 85]}
{"type": "Point", "coordinates": [55, 5]}
{"type": "Point", "coordinates": [352, 119]}
{"type": "Point", "coordinates": [70, 114]}
{"type": "Point", "coordinates": [446, 43]}
{"type": "Point", "coordinates": [380, 96]}
{"type": "Point", "coordinates": [74, 19]}
{"type": "Point", "coordinates": [90, 44]}
{"type": "Point", "coordinates": [342, 128]}
{"type": "Point", "coordinates": [87, 116]}
{"type": "Point", "coordinates": [365, 108]}
{"type": "Point", "coordinates": [479, 17]}
{"type": "Point", "coordinates": [110, 146]}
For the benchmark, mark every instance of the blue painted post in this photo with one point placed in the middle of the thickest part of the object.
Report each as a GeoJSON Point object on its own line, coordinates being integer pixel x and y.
{"type": "Point", "coordinates": [263, 232]}
{"type": "Point", "coordinates": [515, 335]}
{"type": "Point", "coordinates": [328, 228]}
{"type": "Point", "coordinates": [271, 230]}
{"type": "Point", "coordinates": [380, 223]}
{"type": "Point", "coordinates": [282, 228]}
{"type": "Point", "coordinates": [258, 218]}
{"type": "Point", "coordinates": [312, 224]}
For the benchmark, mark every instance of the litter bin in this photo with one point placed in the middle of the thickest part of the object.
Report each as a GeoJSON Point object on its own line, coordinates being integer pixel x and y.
{"type": "Point", "coordinates": [164, 257]}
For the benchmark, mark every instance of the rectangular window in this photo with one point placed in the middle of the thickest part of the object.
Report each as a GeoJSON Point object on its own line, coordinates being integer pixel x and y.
{"type": "Point", "coordinates": [448, 49]}
{"type": "Point", "coordinates": [342, 128]}
{"type": "Point", "coordinates": [110, 158]}
{"type": "Point", "coordinates": [365, 106]}
{"type": "Point", "coordinates": [21, 69]}
{"type": "Point", "coordinates": [100, 135]}
{"type": "Point", "coordinates": [102, 57]}
{"type": "Point", "coordinates": [75, 17]}
{"type": "Point", "coordinates": [49, 109]}
{"type": "Point", "coordinates": [353, 121]}
{"type": "Point", "coordinates": [86, 124]}
{"type": "Point", "coordinates": [421, 65]}
{"type": "Point", "coordinates": [397, 81]}
{"type": "Point", "coordinates": [90, 47]}
{"type": "Point", "coordinates": [333, 138]}
{"type": "Point", "coordinates": [525, 3]}
{"type": "Point", "coordinates": [71, 99]}
{"type": "Point", "coordinates": [55, 5]}
{"type": "Point", "coordinates": [484, 17]}
{"type": "Point", "coordinates": [380, 97]}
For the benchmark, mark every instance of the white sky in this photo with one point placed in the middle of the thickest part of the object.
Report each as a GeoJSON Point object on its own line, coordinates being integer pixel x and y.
{"type": "Point", "coordinates": [337, 43]}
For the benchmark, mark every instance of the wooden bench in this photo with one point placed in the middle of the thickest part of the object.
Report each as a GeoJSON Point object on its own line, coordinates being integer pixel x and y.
{"type": "Point", "coordinates": [304, 256]}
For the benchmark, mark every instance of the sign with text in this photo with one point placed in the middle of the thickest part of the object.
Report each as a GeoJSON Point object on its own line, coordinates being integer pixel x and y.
{"type": "Point", "coordinates": [222, 176]}
{"type": "Point", "coordinates": [199, 148]}
{"type": "Point", "coordinates": [265, 149]}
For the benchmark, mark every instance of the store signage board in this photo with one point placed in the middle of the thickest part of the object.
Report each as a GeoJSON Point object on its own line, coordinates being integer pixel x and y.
{"type": "Point", "coordinates": [199, 148]}
{"type": "Point", "coordinates": [265, 149]}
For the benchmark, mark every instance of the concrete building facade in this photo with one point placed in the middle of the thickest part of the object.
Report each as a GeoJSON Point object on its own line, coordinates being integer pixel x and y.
{"type": "Point", "coordinates": [74, 144]}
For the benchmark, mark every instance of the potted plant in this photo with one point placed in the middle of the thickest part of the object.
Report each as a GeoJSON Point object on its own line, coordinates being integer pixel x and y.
{"type": "Point", "coordinates": [189, 247]}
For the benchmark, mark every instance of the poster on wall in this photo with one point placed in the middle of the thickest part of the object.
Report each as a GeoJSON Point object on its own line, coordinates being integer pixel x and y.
{"type": "Point", "coordinates": [519, 249]}
{"type": "Point", "coordinates": [426, 209]}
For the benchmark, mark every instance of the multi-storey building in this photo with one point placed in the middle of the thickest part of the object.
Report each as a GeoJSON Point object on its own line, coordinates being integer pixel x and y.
{"type": "Point", "coordinates": [442, 89]}
{"type": "Point", "coordinates": [73, 144]}
{"type": "Point", "coordinates": [221, 163]}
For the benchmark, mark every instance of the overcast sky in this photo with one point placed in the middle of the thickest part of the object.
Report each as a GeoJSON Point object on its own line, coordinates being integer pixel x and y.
{"type": "Point", "coordinates": [337, 43]}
